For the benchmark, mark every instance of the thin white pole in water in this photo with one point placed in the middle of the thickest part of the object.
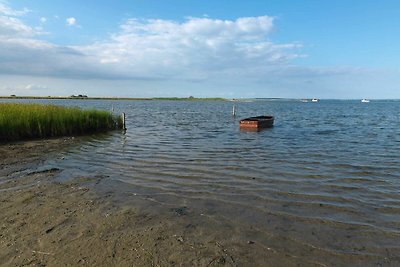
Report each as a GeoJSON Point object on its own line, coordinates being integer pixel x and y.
{"type": "Point", "coordinates": [123, 121]}
{"type": "Point", "coordinates": [234, 111]}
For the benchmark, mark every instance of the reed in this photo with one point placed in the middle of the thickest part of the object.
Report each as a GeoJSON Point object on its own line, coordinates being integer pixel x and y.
{"type": "Point", "coordinates": [27, 121]}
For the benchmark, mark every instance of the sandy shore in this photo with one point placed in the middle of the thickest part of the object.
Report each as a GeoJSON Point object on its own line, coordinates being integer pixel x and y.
{"type": "Point", "coordinates": [47, 223]}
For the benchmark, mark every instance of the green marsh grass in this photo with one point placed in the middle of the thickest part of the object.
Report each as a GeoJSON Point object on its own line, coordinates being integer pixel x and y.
{"type": "Point", "coordinates": [28, 121]}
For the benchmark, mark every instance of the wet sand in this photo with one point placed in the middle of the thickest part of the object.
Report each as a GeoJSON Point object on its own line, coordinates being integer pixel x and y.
{"type": "Point", "coordinates": [44, 222]}
{"type": "Point", "coordinates": [48, 223]}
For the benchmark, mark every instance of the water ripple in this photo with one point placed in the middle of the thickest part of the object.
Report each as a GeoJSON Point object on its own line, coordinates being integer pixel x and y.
{"type": "Point", "coordinates": [330, 168]}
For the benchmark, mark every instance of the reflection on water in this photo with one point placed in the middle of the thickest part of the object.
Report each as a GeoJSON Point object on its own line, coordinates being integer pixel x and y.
{"type": "Point", "coordinates": [326, 176]}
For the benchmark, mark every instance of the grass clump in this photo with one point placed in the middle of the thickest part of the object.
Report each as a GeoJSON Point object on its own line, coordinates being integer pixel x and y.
{"type": "Point", "coordinates": [28, 121]}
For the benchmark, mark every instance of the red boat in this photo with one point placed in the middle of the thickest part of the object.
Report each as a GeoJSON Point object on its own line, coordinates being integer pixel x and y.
{"type": "Point", "coordinates": [257, 123]}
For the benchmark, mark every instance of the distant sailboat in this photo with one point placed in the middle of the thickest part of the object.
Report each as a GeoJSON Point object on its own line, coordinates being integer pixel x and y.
{"type": "Point", "coordinates": [364, 100]}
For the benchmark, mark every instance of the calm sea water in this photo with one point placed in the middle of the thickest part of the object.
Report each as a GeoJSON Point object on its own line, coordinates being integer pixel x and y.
{"type": "Point", "coordinates": [327, 175]}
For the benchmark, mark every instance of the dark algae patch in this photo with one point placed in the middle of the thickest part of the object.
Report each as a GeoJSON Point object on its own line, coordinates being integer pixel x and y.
{"type": "Point", "coordinates": [29, 121]}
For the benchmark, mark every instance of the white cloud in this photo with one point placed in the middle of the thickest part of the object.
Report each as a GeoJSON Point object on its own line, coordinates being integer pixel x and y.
{"type": "Point", "coordinates": [7, 11]}
{"type": "Point", "coordinates": [194, 49]}
{"type": "Point", "coordinates": [43, 20]}
{"type": "Point", "coordinates": [35, 87]}
{"type": "Point", "coordinates": [13, 27]}
{"type": "Point", "coordinates": [71, 21]}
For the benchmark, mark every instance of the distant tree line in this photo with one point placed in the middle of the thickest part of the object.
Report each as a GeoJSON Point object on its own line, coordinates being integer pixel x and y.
{"type": "Point", "coordinates": [78, 96]}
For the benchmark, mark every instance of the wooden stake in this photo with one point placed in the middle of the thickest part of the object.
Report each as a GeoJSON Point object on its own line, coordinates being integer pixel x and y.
{"type": "Point", "coordinates": [123, 121]}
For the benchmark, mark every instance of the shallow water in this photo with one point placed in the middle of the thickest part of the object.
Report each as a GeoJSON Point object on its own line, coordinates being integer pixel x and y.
{"type": "Point", "coordinates": [326, 177]}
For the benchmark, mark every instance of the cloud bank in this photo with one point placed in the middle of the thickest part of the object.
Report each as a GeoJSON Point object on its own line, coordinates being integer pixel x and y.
{"type": "Point", "coordinates": [195, 49]}
{"type": "Point", "coordinates": [198, 48]}
{"type": "Point", "coordinates": [157, 54]}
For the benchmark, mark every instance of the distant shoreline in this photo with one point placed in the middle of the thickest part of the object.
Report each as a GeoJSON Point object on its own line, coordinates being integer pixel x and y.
{"type": "Point", "coordinates": [116, 98]}
{"type": "Point", "coordinates": [188, 98]}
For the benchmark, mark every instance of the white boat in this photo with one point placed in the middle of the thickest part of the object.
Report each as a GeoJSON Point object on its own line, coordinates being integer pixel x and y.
{"type": "Point", "coordinates": [365, 100]}
{"type": "Point", "coordinates": [314, 100]}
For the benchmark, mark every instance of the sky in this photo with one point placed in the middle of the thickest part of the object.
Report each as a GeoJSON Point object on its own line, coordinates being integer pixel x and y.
{"type": "Point", "coordinates": [227, 48]}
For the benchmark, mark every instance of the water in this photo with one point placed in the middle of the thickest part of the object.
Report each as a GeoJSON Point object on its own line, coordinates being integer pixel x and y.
{"type": "Point", "coordinates": [326, 176]}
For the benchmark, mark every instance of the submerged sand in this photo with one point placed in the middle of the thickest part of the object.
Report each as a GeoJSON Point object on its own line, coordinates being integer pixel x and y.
{"type": "Point", "coordinates": [49, 223]}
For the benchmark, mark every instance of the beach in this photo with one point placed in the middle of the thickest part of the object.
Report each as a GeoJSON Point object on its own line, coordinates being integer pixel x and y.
{"type": "Point", "coordinates": [47, 223]}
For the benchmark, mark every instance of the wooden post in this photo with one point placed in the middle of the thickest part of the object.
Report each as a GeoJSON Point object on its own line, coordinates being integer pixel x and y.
{"type": "Point", "coordinates": [123, 116]}
{"type": "Point", "coordinates": [234, 111]}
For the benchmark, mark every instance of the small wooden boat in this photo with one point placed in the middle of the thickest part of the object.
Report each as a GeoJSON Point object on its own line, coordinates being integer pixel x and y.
{"type": "Point", "coordinates": [257, 123]}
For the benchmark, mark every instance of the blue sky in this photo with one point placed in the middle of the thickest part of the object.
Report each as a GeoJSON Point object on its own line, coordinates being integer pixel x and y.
{"type": "Point", "coordinates": [277, 48]}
